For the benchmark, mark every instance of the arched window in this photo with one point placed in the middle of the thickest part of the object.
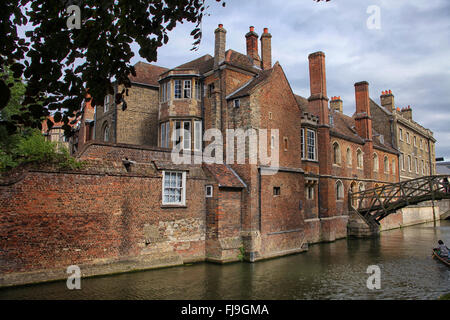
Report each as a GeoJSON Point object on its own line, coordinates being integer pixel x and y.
{"type": "Point", "coordinates": [393, 166]}
{"type": "Point", "coordinates": [106, 133]}
{"type": "Point", "coordinates": [349, 158]}
{"type": "Point", "coordinates": [359, 158]}
{"type": "Point", "coordinates": [339, 190]}
{"type": "Point", "coordinates": [375, 162]}
{"type": "Point", "coordinates": [336, 153]}
{"type": "Point", "coordinates": [386, 164]}
{"type": "Point", "coordinates": [361, 187]}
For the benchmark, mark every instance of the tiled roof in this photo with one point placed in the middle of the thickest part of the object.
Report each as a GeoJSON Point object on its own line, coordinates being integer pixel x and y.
{"type": "Point", "coordinates": [303, 103]}
{"type": "Point", "coordinates": [224, 175]}
{"type": "Point", "coordinates": [147, 73]}
{"type": "Point", "coordinates": [240, 60]}
{"type": "Point", "coordinates": [344, 126]}
{"type": "Point", "coordinates": [203, 64]}
{"type": "Point", "coordinates": [247, 88]}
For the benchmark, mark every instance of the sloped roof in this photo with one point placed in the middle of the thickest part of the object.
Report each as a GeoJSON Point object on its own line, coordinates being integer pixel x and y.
{"type": "Point", "coordinates": [248, 87]}
{"type": "Point", "coordinates": [147, 73]}
{"type": "Point", "coordinates": [303, 104]}
{"type": "Point", "coordinates": [224, 175]}
{"type": "Point", "coordinates": [240, 60]}
{"type": "Point", "coordinates": [345, 126]}
{"type": "Point", "coordinates": [203, 64]}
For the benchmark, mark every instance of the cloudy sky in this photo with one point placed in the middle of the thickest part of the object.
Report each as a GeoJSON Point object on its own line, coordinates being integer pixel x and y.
{"type": "Point", "coordinates": [409, 54]}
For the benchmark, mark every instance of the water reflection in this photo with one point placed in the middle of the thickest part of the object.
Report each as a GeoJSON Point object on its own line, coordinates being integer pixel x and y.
{"type": "Point", "coordinates": [327, 271]}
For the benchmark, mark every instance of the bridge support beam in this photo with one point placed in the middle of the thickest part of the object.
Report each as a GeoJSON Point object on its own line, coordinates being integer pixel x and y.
{"type": "Point", "coordinates": [357, 227]}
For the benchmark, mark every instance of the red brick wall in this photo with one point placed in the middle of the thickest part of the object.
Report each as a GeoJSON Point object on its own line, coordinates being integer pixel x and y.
{"type": "Point", "coordinates": [53, 219]}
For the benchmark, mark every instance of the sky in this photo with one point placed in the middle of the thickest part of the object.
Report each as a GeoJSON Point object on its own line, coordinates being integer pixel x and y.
{"type": "Point", "coordinates": [409, 53]}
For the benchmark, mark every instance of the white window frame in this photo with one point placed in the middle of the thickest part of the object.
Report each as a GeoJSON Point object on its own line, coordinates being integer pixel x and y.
{"type": "Point", "coordinates": [302, 143]}
{"type": "Point", "coordinates": [407, 138]}
{"type": "Point", "coordinates": [187, 89]}
{"type": "Point", "coordinates": [198, 90]}
{"type": "Point", "coordinates": [310, 193]}
{"type": "Point", "coordinates": [339, 191]}
{"type": "Point", "coordinates": [209, 191]}
{"type": "Point", "coordinates": [400, 133]}
{"type": "Point", "coordinates": [198, 133]}
{"type": "Point", "coordinates": [163, 135]}
{"type": "Point", "coordinates": [106, 133]}
{"type": "Point", "coordinates": [314, 145]}
{"type": "Point", "coordinates": [177, 90]}
{"type": "Point", "coordinates": [376, 164]}
{"type": "Point", "coordinates": [182, 201]}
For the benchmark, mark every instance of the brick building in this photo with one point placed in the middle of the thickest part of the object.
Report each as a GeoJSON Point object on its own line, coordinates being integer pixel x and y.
{"type": "Point", "coordinates": [415, 143]}
{"type": "Point", "coordinates": [135, 206]}
{"type": "Point", "coordinates": [306, 201]}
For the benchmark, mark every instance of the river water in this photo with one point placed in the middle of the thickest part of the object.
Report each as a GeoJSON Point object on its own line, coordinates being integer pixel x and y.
{"type": "Point", "coordinates": [327, 271]}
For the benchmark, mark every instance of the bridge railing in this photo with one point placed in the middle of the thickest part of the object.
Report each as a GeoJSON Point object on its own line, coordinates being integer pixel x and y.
{"type": "Point", "coordinates": [384, 199]}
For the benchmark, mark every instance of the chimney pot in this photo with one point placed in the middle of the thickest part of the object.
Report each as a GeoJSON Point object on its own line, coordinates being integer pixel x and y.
{"type": "Point", "coordinates": [266, 30]}
{"type": "Point", "coordinates": [252, 28]}
{"type": "Point", "coordinates": [220, 25]}
{"type": "Point", "coordinates": [390, 91]}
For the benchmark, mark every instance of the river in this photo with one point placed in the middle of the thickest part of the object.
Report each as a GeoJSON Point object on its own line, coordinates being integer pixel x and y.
{"type": "Point", "coordinates": [327, 271]}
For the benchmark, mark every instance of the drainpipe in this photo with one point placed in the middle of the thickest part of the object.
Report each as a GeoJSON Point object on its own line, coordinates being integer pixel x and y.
{"type": "Point", "coordinates": [431, 173]}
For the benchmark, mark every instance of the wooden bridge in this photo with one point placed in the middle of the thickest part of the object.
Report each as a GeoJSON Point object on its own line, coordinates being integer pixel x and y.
{"type": "Point", "coordinates": [373, 205]}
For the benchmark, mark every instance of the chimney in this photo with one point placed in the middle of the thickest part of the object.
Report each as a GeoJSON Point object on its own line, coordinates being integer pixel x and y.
{"type": "Point", "coordinates": [363, 120]}
{"type": "Point", "coordinates": [387, 100]}
{"type": "Point", "coordinates": [252, 46]}
{"type": "Point", "coordinates": [407, 113]}
{"type": "Point", "coordinates": [219, 46]}
{"type": "Point", "coordinates": [266, 50]}
{"type": "Point", "coordinates": [318, 85]}
{"type": "Point", "coordinates": [336, 104]}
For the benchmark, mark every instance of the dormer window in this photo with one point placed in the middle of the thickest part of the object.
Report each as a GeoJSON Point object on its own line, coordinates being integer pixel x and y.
{"type": "Point", "coordinates": [237, 103]}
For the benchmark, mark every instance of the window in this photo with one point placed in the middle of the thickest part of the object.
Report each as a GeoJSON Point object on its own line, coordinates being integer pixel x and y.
{"type": "Point", "coordinates": [106, 103]}
{"type": "Point", "coordinates": [211, 89]}
{"type": "Point", "coordinates": [400, 134]}
{"type": "Point", "coordinates": [339, 190]}
{"type": "Point", "coordinates": [359, 159]}
{"type": "Point", "coordinates": [177, 89]}
{"type": "Point", "coordinates": [302, 143]}
{"type": "Point", "coordinates": [174, 191]}
{"type": "Point", "coordinates": [187, 135]}
{"type": "Point", "coordinates": [163, 92]}
{"type": "Point", "coordinates": [349, 158]}
{"type": "Point", "coordinates": [310, 193]}
{"type": "Point", "coordinates": [106, 133]}
{"type": "Point", "coordinates": [353, 190]}
{"type": "Point", "coordinates": [415, 141]}
{"type": "Point", "coordinates": [416, 165]}
{"type": "Point", "coordinates": [409, 164]}
{"type": "Point", "coordinates": [330, 118]}
{"type": "Point", "coordinates": [270, 115]}
{"type": "Point", "coordinates": [165, 134]}
{"type": "Point", "coordinates": [336, 153]}
{"type": "Point", "coordinates": [198, 90]}
{"type": "Point", "coordinates": [168, 92]}
{"type": "Point", "coordinates": [421, 144]}
{"type": "Point", "coordinates": [407, 138]}
{"type": "Point", "coordinates": [187, 89]}
{"type": "Point", "coordinates": [285, 140]}
{"type": "Point", "coordinates": [423, 167]}
{"type": "Point", "coordinates": [311, 138]}
{"type": "Point", "coordinates": [237, 103]}
{"type": "Point", "coordinates": [375, 162]}
{"type": "Point", "coordinates": [209, 191]}
{"type": "Point", "coordinates": [276, 191]}
{"type": "Point", "coordinates": [393, 166]}
{"type": "Point", "coordinates": [197, 135]}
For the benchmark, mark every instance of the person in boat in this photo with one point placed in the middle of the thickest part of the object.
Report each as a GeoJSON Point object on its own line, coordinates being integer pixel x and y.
{"type": "Point", "coordinates": [443, 250]}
